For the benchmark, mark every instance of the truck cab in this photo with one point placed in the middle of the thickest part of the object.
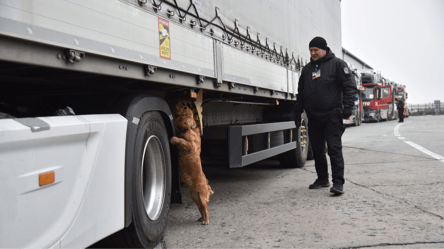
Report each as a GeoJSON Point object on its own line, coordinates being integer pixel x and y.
{"type": "Point", "coordinates": [378, 100]}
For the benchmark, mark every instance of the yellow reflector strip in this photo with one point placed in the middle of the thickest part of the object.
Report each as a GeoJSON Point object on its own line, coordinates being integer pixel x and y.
{"type": "Point", "coordinates": [46, 178]}
{"type": "Point", "coordinates": [247, 143]}
{"type": "Point", "coordinates": [291, 132]}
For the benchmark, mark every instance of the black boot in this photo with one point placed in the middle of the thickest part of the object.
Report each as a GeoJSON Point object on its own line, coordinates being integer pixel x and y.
{"type": "Point", "coordinates": [337, 188]}
{"type": "Point", "coordinates": [319, 184]}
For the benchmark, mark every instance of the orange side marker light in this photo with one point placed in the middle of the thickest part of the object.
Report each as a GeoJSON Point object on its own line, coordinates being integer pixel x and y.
{"type": "Point", "coordinates": [46, 178]}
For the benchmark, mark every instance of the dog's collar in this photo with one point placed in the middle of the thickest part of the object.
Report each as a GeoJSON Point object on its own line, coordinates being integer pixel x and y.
{"type": "Point", "coordinates": [191, 127]}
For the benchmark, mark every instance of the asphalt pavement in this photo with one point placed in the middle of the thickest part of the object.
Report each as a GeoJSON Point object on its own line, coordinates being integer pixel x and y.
{"type": "Point", "coordinates": [394, 197]}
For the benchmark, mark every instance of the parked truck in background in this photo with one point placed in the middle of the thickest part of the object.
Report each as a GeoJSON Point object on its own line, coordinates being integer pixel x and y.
{"type": "Point", "coordinates": [357, 111]}
{"type": "Point", "coordinates": [85, 128]}
{"type": "Point", "coordinates": [378, 100]}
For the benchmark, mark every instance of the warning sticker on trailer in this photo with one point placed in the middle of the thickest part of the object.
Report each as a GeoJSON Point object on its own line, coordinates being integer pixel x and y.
{"type": "Point", "coordinates": [164, 39]}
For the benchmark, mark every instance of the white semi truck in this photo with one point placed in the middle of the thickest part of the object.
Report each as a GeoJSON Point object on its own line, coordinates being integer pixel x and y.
{"type": "Point", "coordinates": [84, 116]}
{"type": "Point", "coordinates": [357, 111]}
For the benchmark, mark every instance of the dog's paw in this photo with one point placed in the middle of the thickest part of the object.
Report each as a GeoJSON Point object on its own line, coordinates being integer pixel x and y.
{"type": "Point", "coordinates": [174, 140]}
{"type": "Point", "coordinates": [204, 222]}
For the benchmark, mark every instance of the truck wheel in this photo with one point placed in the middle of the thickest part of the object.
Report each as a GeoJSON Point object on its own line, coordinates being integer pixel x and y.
{"type": "Point", "coordinates": [297, 157]}
{"type": "Point", "coordinates": [151, 180]}
{"type": "Point", "coordinates": [151, 183]}
{"type": "Point", "coordinates": [356, 123]}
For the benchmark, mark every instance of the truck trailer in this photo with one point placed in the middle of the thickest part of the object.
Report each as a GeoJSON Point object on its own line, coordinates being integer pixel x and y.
{"type": "Point", "coordinates": [357, 115]}
{"type": "Point", "coordinates": [85, 119]}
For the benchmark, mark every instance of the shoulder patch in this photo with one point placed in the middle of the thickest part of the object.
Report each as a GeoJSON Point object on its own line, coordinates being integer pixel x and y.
{"type": "Point", "coordinates": [346, 70]}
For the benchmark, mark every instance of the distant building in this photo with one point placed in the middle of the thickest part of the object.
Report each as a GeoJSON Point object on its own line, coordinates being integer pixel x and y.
{"type": "Point", "coordinates": [358, 63]}
{"type": "Point", "coordinates": [437, 104]}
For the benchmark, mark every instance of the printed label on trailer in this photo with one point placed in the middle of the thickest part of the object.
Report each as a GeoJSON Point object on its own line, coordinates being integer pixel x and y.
{"type": "Point", "coordinates": [164, 39]}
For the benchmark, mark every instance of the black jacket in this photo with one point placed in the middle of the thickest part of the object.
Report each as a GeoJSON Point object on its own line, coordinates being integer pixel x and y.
{"type": "Point", "coordinates": [401, 104]}
{"type": "Point", "coordinates": [324, 95]}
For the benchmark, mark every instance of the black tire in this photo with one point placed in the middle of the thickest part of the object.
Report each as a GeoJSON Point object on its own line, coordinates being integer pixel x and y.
{"type": "Point", "coordinates": [296, 158]}
{"type": "Point", "coordinates": [393, 113]}
{"type": "Point", "coordinates": [356, 123]}
{"type": "Point", "coordinates": [150, 212]}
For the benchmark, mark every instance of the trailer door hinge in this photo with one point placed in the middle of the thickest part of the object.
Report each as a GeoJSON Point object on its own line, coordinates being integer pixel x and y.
{"type": "Point", "coordinates": [231, 85]}
{"type": "Point", "coordinates": [73, 56]}
{"type": "Point", "coordinates": [200, 79]}
{"type": "Point", "coordinates": [149, 70]}
{"type": "Point", "coordinates": [142, 2]}
{"type": "Point", "coordinates": [217, 83]}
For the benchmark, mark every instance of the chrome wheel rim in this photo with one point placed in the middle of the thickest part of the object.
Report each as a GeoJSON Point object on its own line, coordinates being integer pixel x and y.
{"type": "Point", "coordinates": [303, 136]}
{"type": "Point", "coordinates": [153, 177]}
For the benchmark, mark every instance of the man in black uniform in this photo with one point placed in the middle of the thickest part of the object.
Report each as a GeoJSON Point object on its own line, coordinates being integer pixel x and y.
{"type": "Point", "coordinates": [326, 92]}
{"type": "Point", "coordinates": [401, 110]}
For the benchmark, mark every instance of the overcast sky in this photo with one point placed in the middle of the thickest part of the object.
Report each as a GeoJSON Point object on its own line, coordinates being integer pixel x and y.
{"type": "Point", "coordinates": [404, 39]}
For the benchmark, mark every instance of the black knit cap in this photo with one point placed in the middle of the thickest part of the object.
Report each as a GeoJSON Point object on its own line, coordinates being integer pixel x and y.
{"type": "Point", "coordinates": [318, 42]}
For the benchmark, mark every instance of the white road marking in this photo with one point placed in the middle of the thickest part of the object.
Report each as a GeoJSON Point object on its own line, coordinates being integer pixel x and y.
{"type": "Point", "coordinates": [397, 130]}
{"type": "Point", "coordinates": [426, 151]}
{"type": "Point", "coordinates": [418, 147]}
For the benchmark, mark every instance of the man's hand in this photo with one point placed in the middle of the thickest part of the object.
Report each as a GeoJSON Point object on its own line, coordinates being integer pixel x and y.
{"type": "Point", "coordinates": [297, 120]}
{"type": "Point", "coordinates": [346, 113]}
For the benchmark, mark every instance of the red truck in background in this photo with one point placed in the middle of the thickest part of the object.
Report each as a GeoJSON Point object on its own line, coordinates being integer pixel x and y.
{"type": "Point", "coordinates": [402, 94]}
{"type": "Point", "coordinates": [378, 100]}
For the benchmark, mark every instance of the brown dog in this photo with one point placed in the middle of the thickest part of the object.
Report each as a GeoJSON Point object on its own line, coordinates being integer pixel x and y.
{"type": "Point", "coordinates": [189, 146]}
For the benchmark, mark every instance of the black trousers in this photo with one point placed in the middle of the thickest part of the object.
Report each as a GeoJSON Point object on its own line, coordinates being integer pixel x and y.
{"type": "Point", "coordinates": [329, 131]}
{"type": "Point", "coordinates": [401, 115]}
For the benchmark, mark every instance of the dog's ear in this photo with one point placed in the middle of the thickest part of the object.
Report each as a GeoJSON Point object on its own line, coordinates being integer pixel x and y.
{"type": "Point", "coordinates": [182, 124]}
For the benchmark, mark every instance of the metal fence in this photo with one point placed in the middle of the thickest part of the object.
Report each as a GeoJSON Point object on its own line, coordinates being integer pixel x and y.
{"type": "Point", "coordinates": [425, 109]}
